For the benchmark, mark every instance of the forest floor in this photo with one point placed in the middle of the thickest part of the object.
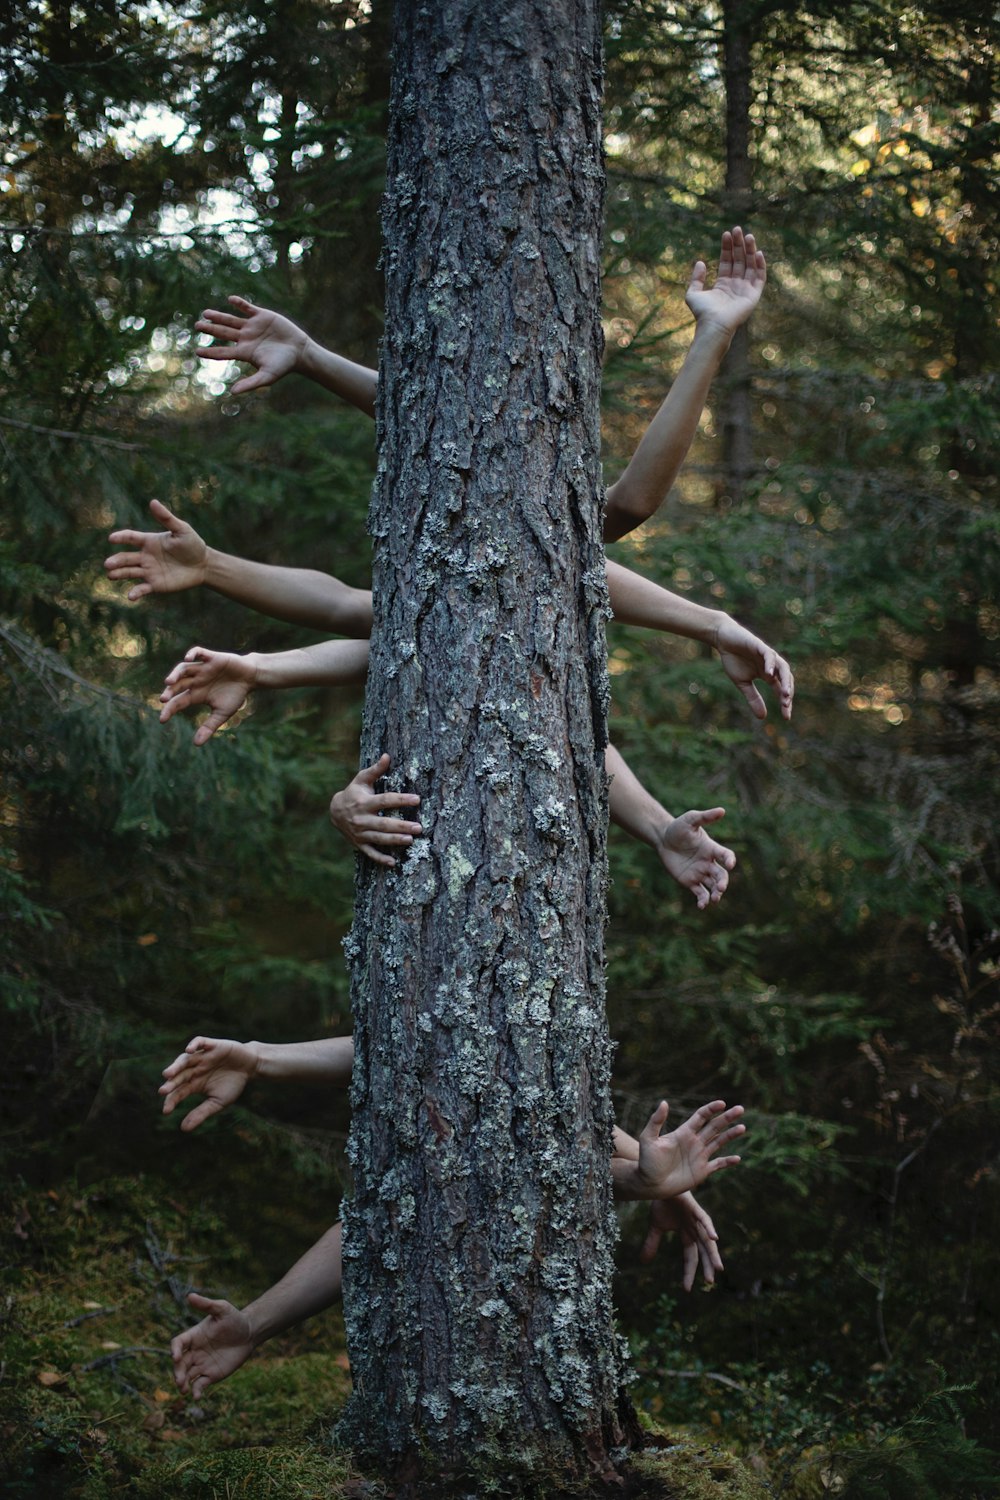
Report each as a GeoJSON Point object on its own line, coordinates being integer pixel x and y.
{"type": "Point", "coordinates": [93, 1287]}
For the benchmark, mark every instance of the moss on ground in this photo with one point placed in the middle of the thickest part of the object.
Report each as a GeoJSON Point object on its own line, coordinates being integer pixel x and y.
{"type": "Point", "coordinates": [91, 1292]}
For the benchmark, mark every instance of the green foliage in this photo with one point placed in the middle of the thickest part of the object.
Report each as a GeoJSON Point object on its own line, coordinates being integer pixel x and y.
{"type": "Point", "coordinates": [846, 988]}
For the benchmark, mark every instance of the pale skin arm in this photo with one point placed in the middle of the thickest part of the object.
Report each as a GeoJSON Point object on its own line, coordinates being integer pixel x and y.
{"type": "Point", "coordinates": [220, 1069]}
{"type": "Point", "coordinates": [176, 558]}
{"type": "Point", "coordinates": [276, 347]}
{"type": "Point", "coordinates": [222, 680]}
{"type": "Point", "coordinates": [227, 1336]}
{"type": "Point", "coordinates": [169, 561]}
{"type": "Point", "coordinates": [718, 311]}
{"type": "Point", "coordinates": [687, 852]}
{"type": "Point", "coordinates": [744, 657]}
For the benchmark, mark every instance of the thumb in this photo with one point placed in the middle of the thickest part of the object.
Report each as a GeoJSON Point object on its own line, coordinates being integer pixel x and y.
{"type": "Point", "coordinates": [215, 721]}
{"type": "Point", "coordinates": [698, 273]}
{"type": "Point", "coordinates": [707, 815]}
{"type": "Point", "coordinates": [656, 1121]}
{"type": "Point", "coordinates": [167, 518]}
{"type": "Point", "coordinates": [757, 705]}
{"type": "Point", "coordinates": [205, 1111]}
{"type": "Point", "coordinates": [370, 774]}
{"type": "Point", "coordinates": [252, 382]}
{"type": "Point", "coordinates": [205, 1304]}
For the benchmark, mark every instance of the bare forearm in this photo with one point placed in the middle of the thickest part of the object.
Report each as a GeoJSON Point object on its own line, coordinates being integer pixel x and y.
{"type": "Point", "coordinates": [329, 664]}
{"type": "Point", "coordinates": [629, 803]}
{"type": "Point", "coordinates": [636, 600]}
{"type": "Point", "coordinates": [655, 464]}
{"type": "Point", "coordinates": [354, 383]}
{"type": "Point", "coordinates": [312, 1284]}
{"type": "Point", "coordinates": [327, 1060]}
{"type": "Point", "coordinates": [301, 595]}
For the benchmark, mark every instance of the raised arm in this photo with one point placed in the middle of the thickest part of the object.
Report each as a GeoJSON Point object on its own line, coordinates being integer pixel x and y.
{"type": "Point", "coordinates": [276, 346]}
{"type": "Point", "coordinates": [744, 657]}
{"type": "Point", "coordinates": [222, 680]}
{"type": "Point", "coordinates": [685, 850]}
{"type": "Point", "coordinates": [220, 1070]}
{"type": "Point", "coordinates": [227, 1335]}
{"type": "Point", "coordinates": [718, 313]}
{"type": "Point", "coordinates": [165, 562]}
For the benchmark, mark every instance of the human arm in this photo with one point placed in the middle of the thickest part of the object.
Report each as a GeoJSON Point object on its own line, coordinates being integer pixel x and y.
{"type": "Point", "coordinates": [357, 812]}
{"type": "Point", "coordinates": [718, 312]}
{"type": "Point", "coordinates": [168, 561]}
{"type": "Point", "coordinates": [227, 1335]}
{"type": "Point", "coordinates": [690, 855]}
{"type": "Point", "coordinates": [220, 1069]}
{"type": "Point", "coordinates": [276, 347]}
{"type": "Point", "coordinates": [223, 679]}
{"type": "Point", "coordinates": [639, 601]}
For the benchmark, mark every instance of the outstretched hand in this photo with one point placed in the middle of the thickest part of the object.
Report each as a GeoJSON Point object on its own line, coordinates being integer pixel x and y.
{"type": "Point", "coordinates": [166, 562]}
{"type": "Point", "coordinates": [699, 1241]}
{"type": "Point", "coordinates": [209, 1065]}
{"type": "Point", "coordinates": [270, 342]}
{"type": "Point", "coordinates": [744, 657]}
{"type": "Point", "coordinates": [357, 812]}
{"type": "Point", "coordinates": [693, 858]}
{"type": "Point", "coordinates": [739, 283]}
{"type": "Point", "coordinates": [212, 1349]}
{"type": "Point", "coordinates": [220, 679]}
{"type": "Point", "coordinates": [679, 1161]}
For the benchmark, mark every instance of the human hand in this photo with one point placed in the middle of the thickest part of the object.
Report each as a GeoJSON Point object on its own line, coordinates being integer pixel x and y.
{"type": "Point", "coordinates": [679, 1161]}
{"type": "Point", "coordinates": [694, 859]}
{"type": "Point", "coordinates": [212, 1349]}
{"type": "Point", "coordinates": [218, 1069]}
{"type": "Point", "coordinates": [357, 810]}
{"type": "Point", "coordinates": [739, 283]}
{"type": "Point", "coordinates": [221, 679]}
{"type": "Point", "coordinates": [259, 337]}
{"type": "Point", "coordinates": [744, 657]}
{"type": "Point", "coordinates": [166, 562]}
{"type": "Point", "coordinates": [699, 1241]}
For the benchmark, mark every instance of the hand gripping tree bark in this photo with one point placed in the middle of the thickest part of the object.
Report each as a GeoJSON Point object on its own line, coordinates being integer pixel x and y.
{"type": "Point", "coordinates": [478, 1241]}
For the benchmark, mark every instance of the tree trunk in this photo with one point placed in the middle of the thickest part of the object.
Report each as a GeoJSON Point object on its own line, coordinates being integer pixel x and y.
{"type": "Point", "coordinates": [734, 377]}
{"type": "Point", "coordinates": [478, 1241]}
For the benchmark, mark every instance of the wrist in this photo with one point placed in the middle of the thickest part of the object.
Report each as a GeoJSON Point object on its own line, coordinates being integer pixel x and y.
{"type": "Point", "coordinates": [712, 334]}
{"type": "Point", "coordinates": [308, 358]}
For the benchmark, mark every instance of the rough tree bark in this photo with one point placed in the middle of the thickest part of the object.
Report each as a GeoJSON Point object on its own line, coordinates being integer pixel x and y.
{"type": "Point", "coordinates": [478, 1241]}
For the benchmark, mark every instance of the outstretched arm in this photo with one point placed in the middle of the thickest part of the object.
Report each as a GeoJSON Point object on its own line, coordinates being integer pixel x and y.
{"type": "Point", "coordinates": [686, 851]}
{"type": "Point", "coordinates": [276, 346]}
{"type": "Point", "coordinates": [718, 313]}
{"type": "Point", "coordinates": [636, 600]}
{"type": "Point", "coordinates": [165, 562]}
{"type": "Point", "coordinates": [221, 1069]}
{"type": "Point", "coordinates": [222, 680]}
{"type": "Point", "coordinates": [227, 1336]}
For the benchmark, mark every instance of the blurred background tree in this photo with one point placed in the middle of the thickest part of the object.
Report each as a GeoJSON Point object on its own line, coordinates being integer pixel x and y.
{"type": "Point", "coordinates": [841, 499]}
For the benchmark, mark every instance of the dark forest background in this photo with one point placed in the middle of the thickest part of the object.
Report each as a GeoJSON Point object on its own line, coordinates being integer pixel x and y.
{"type": "Point", "coordinates": [841, 499]}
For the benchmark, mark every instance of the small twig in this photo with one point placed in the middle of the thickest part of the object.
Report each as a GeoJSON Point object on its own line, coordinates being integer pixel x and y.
{"type": "Point", "coordinates": [117, 1354]}
{"type": "Point", "coordinates": [98, 1312]}
{"type": "Point", "coordinates": [80, 437]}
{"type": "Point", "coordinates": [734, 1385]}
